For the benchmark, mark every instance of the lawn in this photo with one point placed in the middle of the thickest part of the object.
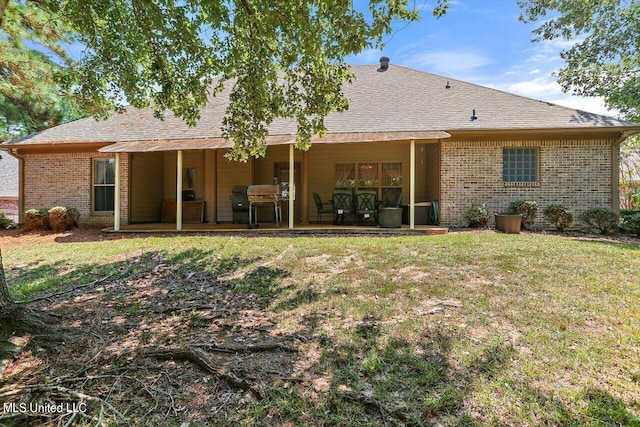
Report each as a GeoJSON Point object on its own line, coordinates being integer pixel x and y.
{"type": "Point", "coordinates": [460, 329]}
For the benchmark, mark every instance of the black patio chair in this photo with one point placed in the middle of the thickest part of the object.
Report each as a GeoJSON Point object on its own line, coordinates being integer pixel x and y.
{"type": "Point", "coordinates": [367, 206]}
{"type": "Point", "coordinates": [342, 205]}
{"type": "Point", "coordinates": [320, 207]}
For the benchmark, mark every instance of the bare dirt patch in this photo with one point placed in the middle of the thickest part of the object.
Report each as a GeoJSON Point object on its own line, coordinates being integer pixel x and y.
{"type": "Point", "coordinates": [169, 344]}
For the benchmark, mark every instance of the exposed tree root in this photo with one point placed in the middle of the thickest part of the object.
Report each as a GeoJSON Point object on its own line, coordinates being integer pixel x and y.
{"type": "Point", "coordinates": [249, 348]}
{"type": "Point", "coordinates": [199, 358]}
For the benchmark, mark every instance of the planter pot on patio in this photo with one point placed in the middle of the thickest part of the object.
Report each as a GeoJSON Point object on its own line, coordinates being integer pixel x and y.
{"type": "Point", "coordinates": [390, 217]}
{"type": "Point", "coordinates": [508, 223]}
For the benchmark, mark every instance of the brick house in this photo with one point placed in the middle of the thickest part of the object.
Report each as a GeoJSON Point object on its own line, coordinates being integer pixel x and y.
{"type": "Point", "coordinates": [406, 132]}
{"type": "Point", "coordinates": [9, 177]}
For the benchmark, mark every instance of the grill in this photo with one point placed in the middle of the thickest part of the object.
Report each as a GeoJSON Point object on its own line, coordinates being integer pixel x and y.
{"type": "Point", "coordinates": [266, 194]}
{"type": "Point", "coordinates": [239, 204]}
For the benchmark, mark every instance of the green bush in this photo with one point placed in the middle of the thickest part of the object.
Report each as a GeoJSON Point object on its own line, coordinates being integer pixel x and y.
{"type": "Point", "coordinates": [628, 212]}
{"type": "Point", "coordinates": [4, 221]}
{"type": "Point", "coordinates": [528, 209]}
{"type": "Point", "coordinates": [59, 219]}
{"type": "Point", "coordinates": [37, 219]}
{"type": "Point", "coordinates": [630, 224]}
{"type": "Point", "coordinates": [477, 215]}
{"type": "Point", "coordinates": [605, 220]}
{"type": "Point", "coordinates": [559, 215]}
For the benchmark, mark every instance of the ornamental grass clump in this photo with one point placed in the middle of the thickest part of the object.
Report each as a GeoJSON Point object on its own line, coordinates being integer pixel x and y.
{"type": "Point", "coordinates": [527, 208]}
{"type": "Point", "coordinates": [36, 219]}
{"type": "Point", "coordinates": [604, 220]}
{"type": "Point", "coordinates": [477, 215]}
{"type": "Point", "coordinates": [559, 215]}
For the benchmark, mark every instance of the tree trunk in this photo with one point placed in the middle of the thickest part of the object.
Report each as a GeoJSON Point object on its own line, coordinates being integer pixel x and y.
{"type": "Point", "coordinates": [6, 305]}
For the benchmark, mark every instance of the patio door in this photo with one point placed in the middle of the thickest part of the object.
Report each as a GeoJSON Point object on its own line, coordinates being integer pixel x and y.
{"type": "Point", "coordinates": [281, 171]}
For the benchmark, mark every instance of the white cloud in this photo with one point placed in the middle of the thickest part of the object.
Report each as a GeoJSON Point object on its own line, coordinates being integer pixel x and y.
{"type": "Point", "coordinates": [456, 63]}
{"type": "Point", "coordinates": [369, 56]}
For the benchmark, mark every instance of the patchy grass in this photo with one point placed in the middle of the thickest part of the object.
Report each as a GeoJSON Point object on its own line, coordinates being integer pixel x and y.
{"type": "Point", "coordinates": [461, 329]}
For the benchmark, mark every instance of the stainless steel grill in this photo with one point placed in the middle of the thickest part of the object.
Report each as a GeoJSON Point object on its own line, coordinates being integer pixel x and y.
{"type": "Point", "coordinates": [266, 194]}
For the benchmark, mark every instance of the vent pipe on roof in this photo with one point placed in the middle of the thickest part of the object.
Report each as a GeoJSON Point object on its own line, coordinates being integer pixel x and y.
{"type": "Point", "coordinates": [448, 86]}
{"type": "Point", "coordinates": [384, 64]}
{"type": "Point", "coordinates": [473, 115]}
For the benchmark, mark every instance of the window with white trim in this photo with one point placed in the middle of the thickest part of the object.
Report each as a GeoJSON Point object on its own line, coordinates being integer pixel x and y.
{"type": "Point", "coordinates": [104, 180]}
{"type": "Point", "coordinates": [520, 166]}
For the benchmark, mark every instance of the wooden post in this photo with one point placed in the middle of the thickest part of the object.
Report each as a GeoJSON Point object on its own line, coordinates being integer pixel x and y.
{"type": "Point", "coordinates": [292, 184]}
{"type": "Point", "coordinates": [179, 193]}
{"type": "Point", "coordinates": [412, 186]}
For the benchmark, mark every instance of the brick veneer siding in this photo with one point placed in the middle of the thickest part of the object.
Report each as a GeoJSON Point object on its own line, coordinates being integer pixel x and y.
{"type": "Point", "coordinates": [574, 173]}
{"type": "Point", "coordinates": [64, 179]}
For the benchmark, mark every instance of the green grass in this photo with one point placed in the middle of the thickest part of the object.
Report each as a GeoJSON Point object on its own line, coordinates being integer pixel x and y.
{"type": "Point", "coordinates": [461, 329]}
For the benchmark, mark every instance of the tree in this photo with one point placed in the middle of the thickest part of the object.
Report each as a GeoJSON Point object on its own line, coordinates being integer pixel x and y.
{"type": "Point", "coordinates": [281, 59]}
{"type": "Point", "coordinates": [605, 58]}
{"type": "Point", "coordinates": [31, 60]}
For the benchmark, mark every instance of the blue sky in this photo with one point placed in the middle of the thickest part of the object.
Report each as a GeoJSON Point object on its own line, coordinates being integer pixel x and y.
{"type": "Point", "coordinates": [483, 42]}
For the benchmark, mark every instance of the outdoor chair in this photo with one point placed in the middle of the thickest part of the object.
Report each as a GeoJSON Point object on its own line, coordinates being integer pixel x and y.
{"type": "Point", "coordinates": [367, 206]}
{"type": "Point", "coordinates": [320, 207]}
{"type": "Point", "coordinates": [342, 205]}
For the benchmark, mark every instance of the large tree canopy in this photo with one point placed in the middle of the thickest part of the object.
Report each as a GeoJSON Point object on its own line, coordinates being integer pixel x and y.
{"type": "Point", "coordinates": [281, 58]}
{"type": "Point", "coordinates": [31, 59]}
{"type": "Point", "coordinates": [605, 59]}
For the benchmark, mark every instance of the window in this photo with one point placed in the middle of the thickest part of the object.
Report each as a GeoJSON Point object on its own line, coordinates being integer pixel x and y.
{"type": "Point", "coordinates": [103, 185]}
{"type": "Point", "coordinates": [384, 177]}
{"type": "Point", "coordinates": [520, 165]}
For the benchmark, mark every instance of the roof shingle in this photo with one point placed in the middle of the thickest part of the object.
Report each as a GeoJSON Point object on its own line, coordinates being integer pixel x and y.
{"type": "Point", "coordinates": [397, 100]}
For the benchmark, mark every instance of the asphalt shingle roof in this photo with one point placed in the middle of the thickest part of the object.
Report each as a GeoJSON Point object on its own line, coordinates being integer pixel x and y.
{"type": "Point", "coordinates": [397, 100]}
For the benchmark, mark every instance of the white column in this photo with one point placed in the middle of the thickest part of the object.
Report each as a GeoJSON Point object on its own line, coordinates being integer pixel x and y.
{"type": "Point", "coordinates": [116, 196]}
{"type": "Point", "coordinates": [412, 186]}
{"type": "Point", "coordinates": [179, 193]}
{"type": "Point", "coordinates": [291, 183]}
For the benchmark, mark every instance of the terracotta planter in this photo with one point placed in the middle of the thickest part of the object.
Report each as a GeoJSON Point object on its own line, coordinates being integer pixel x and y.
{"type": "Point", "coordinates": [508, 223]}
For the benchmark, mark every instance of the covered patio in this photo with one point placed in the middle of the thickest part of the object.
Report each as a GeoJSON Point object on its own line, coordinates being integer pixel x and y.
{"type": "Point", "coordinates": [165, 169]}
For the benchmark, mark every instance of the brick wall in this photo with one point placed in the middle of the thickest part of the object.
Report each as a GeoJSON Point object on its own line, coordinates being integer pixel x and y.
{"type": "Point", "coordinates": [64, 179]}
{"type": "Point", "coordinates": [574, 173]}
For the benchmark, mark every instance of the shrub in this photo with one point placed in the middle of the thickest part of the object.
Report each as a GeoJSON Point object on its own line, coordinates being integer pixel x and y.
{"type": "Point", "coordinates": [477, 215]}
{"type": "Point", "coordinates": [75, 215]}
{"type": "Point", "coordinates": [37, 219]}
{"type": "Point", "coordinates": [528, 209]}
{"type": "Point", "coordinates": [4, 221]}
{"type": "Point", "coordinates": [630, 224]}
{"type": "Point", "coordinates": [605, 220]}
{"type": "Point", "coordinates": [60, 219]}
{"type": "Point", "coordinates": [559, 215]}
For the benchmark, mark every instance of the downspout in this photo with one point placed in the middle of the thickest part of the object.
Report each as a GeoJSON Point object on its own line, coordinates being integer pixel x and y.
{"type": "Point", "coordinates": [21, 161]}
{"type": "Point", "coordinates": [116, 207]}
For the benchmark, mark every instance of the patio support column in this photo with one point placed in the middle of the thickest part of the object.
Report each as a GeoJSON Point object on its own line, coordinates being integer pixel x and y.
{"type": "Point", "coordinates": [116, 195]}
{"type": "Point", "coordinates": [179, 192]}
{"type": "Point", "coordinates": [412, 186]}
{"type": "Point", "coordinates": [292, 183]}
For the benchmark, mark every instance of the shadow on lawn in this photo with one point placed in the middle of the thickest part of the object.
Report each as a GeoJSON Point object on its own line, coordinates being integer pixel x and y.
{"type": "Point", "coordinates": [198, 299]}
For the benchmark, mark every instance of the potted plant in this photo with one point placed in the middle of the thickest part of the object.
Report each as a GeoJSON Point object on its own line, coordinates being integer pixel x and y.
{"type": "Point", "coordinates": [508, 222]}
